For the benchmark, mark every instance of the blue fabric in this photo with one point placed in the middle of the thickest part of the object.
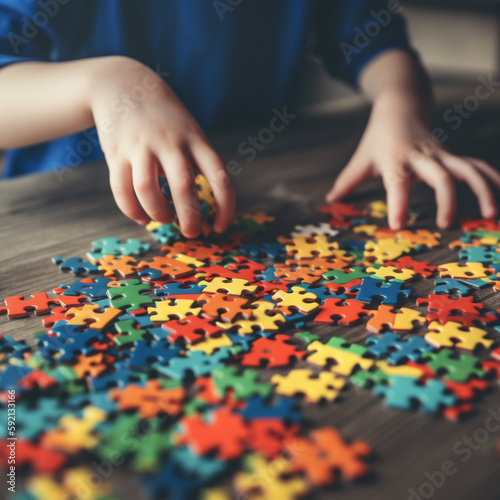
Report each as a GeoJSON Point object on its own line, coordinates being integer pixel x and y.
{"type": "Point", "coordinates": [229, 62]}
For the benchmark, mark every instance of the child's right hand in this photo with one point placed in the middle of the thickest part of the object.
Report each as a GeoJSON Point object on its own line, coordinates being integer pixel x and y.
{"type": "Point", "coordinates": [146, 132]}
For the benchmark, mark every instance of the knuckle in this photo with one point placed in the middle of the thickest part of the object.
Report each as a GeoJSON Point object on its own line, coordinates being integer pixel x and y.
{"type": "Point", "coordinates": [222, 179]}
{"type": "Point", "coordinates": [144, 185]}
{"type": "Point", "coordinates": [184, 185]}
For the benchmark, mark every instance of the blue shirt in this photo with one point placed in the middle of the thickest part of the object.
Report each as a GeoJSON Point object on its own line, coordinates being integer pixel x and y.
{"type": "Point", "coordinates": [229, 61]}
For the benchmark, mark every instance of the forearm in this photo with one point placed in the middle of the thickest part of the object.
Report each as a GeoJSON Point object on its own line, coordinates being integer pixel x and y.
{"type": "Point", "coordinates": [397, 77]}
{"type": "Point", "coordinates": [40, 101]}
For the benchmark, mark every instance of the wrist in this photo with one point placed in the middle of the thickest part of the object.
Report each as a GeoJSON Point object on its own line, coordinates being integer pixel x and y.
{"type": "Point", "coordinates": [405, 102]}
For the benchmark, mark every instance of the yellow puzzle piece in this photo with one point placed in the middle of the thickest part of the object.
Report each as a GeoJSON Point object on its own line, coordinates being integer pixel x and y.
{"type": "Point", "coordinates": [391, 273]}
{"type": "Point", "coordinates": [326, 385]}
{"type": "Point", "coordinates": [209, 345]}
{"type": "Point", "coordinates": [345, 360]}
{"type": "Point", "coordinates": [453, 334]}
{"type": "Point", "coordinates": [166, 310]}
{"type": "Point", "coordinates": [231, 286]}
{"type": "Point", "coordinates": [265, 480]}
{"type": "Point", "coordinates": [257, 318]}
{"type": "Point", "coordinates": [387, 249]}
{"type": "Point", "coordinates": [469, 270]}
{"type": "Point", "coordinates": [74, 434]}
{"type": "Point", "coordinates": [89, 315]}
{"type": "Point", "coordinates": [298, 298]}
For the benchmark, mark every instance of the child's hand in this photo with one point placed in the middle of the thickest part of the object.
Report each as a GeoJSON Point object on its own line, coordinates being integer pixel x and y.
{"type": "Point", "coordinates": [398, 147]}
{"type": "Point", "coordinates": [145, 132]}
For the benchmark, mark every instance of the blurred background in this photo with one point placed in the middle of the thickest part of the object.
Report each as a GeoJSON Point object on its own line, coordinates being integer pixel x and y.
{"type": "Point", "coordinates": [458, 41]}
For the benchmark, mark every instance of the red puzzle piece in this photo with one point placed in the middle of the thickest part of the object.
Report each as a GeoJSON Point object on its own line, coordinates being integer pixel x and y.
{"type": "Point", "coordinates": [276, 352]}
{"type": "Point", "coordinates": [18, 307]}
{"type": "Point", "coordinates": [343, 312]}
{"type": "Point", "coordinates": [191, 329]}
{"type": "Point", "coordinates": [225, 432]}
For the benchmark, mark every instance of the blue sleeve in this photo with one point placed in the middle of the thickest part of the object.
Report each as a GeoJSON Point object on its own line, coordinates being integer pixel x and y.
{"type": "Point", "coordinates": [26, 32]}
{"type": "Point", "coordinates": [349, 34]}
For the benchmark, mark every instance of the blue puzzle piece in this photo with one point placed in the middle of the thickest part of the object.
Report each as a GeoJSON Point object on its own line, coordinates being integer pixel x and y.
{"type": "Point", "coordinates": [196, 362]}
{"type": "Point", "coordinates": [68, 346]}
{"type": "Point", "coordinates": [98, 399]}
{"type": "Point", "coordinates": [483, 254]}
{"type": "Point", "coordinates": [122, 376]}
{"type": "Point", "coordinates": [372, 289]}
{"type": "Point", "coordinates": [168, 482]}
{"type": "Point", "coordinates": [11, 347]}
{"type": "Point", "coordinates": [245, 341]}
{"type": "Point", "coordinates": [112, 246]}
{"type": "Point", "coordinates": [33, 418]}
{"type": "Point", "coordinates": [268, 275]}
{"type": "Point", "coordinates": [96, 289]}
{"type": "Point", "coordinates": [75, 265]}
{"type": "Point", "coordinates": [395, 350]}
{"type": "Point", "coordinates": [449, 286]}
{"type": "Point", "coordinates": [12, 374]}
{"type": "Point", "coordinates": [273, 251]}
{"type": "Point", "coordinates": [167, 234]}
{"type": "Point", "coordinates": [403, 392]}
{"type": "Point", "coordinates": [202, 468]}
{"type": "Point", "coordinates": [322, 292]}
{"type": "Point", "coordinates": [176, 288]}
{"type": "Point", "coordinates": [146, 352]}
{"type": "Point", "coordinates": [282, 408]}
{"type": "Point", "coordinates": [357, 245]}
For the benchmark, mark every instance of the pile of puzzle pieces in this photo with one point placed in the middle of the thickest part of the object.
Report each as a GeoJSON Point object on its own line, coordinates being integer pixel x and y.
{"type": "Point", "coordinates": [191, 365]}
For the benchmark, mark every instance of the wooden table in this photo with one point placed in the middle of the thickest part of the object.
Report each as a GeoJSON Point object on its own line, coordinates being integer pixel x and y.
{"type": "Point", "coordinates": [49, 215]}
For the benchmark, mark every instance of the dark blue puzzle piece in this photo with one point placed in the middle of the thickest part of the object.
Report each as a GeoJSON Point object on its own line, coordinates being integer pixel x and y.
{"type": "Point", "coordinates": [274, 251]}
{"type": "Point", "coordinates": [450, 286]}
{"type": "Point", "coordinates": [168, 482]}
{"type": "Point", "coordinates": [372, 289]}
{"type": "Point", "coordinates": [145, 353]}
{"type": "Point", "coordinates": [12, 374]}
{"type": "Point", "coordinates": [202, 468]}
{"type": "Point", "coordinates": [280, 407]}
{"type": "Point", "coordinates": [75, 265]}
{"type": "Point", "coordinates": [395, 350]}
{"type": "Point", "coordinates": [176, 288]}
{"type": "Point", "coordinates": [96, 289]}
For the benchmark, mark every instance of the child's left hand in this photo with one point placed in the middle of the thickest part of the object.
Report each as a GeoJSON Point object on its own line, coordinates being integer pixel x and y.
{"type": "Point", "coordinates": [398, 146]}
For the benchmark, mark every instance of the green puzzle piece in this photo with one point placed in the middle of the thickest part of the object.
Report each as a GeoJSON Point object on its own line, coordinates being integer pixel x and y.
{"type": "Point", "coordinates": [340, 277]}
{"type": "Point", "coordinates": [307, 337]}
{"type": "Point", "coordinates": [244, 385]}
{"type": "Point", "coordinates": [340, 343]}
{"type": "Point", "coordinates": [129, 295]}
{"type": "Point", "coordinates": [365, 378]}
{"type": "Point", "coordinates": [141, 441]}
{"type": "Point", "coordinates": [459, 368]}
{"type": "Point", "coordinates": [126, 327]}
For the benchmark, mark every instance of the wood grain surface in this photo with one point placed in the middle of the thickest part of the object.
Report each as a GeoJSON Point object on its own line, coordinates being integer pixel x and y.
{"type": "Point", "coordinates": [47, 215]}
